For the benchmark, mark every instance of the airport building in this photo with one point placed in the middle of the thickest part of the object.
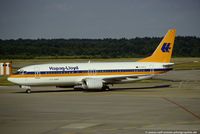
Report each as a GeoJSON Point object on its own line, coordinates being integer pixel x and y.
{"type": "Point", "coordinates": [5, 68]}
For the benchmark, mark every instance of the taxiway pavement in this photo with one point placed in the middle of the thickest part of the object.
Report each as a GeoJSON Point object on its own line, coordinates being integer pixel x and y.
{"type": "Point", "coordinates": [170, 105]}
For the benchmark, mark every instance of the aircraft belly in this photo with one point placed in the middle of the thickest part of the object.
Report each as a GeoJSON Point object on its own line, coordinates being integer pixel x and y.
{"type": "Point", "coordinates": [49, 81]}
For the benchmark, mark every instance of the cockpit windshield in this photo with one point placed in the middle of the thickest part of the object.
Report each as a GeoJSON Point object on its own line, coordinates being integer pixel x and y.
{"type": "Point", "coordinates": [20, 72]}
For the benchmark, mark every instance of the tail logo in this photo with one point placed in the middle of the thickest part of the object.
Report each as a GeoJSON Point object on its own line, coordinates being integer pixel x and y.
{"type": "Point", "coordinates": [166, 47]}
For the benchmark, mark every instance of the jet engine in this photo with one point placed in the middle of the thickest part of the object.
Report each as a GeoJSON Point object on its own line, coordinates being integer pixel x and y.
{"type": "Point", "coordinates": [93, 84]}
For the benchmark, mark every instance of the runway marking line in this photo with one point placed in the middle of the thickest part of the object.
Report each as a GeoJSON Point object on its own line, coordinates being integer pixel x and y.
{"type": "Point", "coordinates": [182, 107]}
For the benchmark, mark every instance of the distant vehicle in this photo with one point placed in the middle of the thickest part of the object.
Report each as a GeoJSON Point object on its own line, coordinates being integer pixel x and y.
{"type": "Point", "coordinates": [99, 75]}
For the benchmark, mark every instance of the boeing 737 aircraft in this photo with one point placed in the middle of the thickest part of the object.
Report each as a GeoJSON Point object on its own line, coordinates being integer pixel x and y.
{"type": "Point", "coordinates": [98, 75]}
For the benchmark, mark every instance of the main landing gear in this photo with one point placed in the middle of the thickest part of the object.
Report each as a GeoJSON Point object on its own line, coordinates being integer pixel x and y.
{"type": "Point", "coordinates": [106, 88]}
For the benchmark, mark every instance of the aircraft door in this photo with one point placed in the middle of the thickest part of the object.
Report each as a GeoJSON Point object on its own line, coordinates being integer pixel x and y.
{"type": "Point", "coordinates": [151, 69]}
{"type": "Point", "coordinates": [37, 73]}
{"type": "Point", "coordinates": [91, 72]}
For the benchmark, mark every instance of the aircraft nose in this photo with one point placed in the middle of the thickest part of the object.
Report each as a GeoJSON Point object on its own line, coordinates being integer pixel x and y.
{"type": "Point", "coordinates": [13, 80]}
{"type": "Point", "coordinates": [9, 79]}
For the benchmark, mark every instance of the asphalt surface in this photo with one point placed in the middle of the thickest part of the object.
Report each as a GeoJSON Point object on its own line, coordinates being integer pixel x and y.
{"type": "Point", "coordinates": [168, 105]}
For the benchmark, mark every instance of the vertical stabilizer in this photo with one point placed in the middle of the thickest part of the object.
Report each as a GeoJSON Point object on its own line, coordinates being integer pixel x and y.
{"type": "Point", "coordinates": [163, 52]}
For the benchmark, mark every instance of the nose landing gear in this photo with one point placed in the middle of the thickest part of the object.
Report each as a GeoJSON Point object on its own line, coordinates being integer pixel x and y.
{"type": "Point", "coordinates": [28, 91]}
{"type": "Point", "coordinates": [28, 88]}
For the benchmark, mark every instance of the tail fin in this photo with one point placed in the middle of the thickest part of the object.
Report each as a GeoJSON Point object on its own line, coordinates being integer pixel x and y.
{"type": "Point", "coordinates": [164, 51]}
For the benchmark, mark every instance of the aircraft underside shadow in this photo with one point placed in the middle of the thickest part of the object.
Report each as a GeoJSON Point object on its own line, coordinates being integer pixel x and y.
{"type": "Point", "coordinates": [111, 89]}
{"type": "Point", "coordinates": [52, 91]}
{"type": "Point", "coordinates": [140, 88]}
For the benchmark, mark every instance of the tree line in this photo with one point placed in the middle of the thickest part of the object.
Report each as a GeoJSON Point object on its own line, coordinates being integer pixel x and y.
{"type": "Point", "coordinates": [93, 48]}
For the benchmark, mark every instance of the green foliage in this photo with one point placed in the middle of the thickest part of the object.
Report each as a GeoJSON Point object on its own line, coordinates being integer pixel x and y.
{"type": "Point", "coordinates": [4, 82]}
{"type": "Point", "coordinates": [93, 48]}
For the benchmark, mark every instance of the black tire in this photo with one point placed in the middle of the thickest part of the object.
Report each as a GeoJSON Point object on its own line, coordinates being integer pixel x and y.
{"type": "Point", "coordinates": [106, 88]}
{"type": "Point", "coordinates": [28, 91]}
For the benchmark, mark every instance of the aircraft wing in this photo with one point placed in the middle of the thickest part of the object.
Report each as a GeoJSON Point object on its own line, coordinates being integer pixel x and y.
{"type": "Point", "coordinates": [126, 78]}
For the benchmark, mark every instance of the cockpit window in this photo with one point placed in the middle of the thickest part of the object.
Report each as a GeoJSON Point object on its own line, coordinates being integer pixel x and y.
{"type": "Point", "coordinates": [17, 72]}
{"type": "Point", "coordinates": [20, 72]}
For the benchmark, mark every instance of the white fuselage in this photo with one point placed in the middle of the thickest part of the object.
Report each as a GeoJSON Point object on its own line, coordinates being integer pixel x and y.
{"type": "Point", "coordinates": [71, 74]}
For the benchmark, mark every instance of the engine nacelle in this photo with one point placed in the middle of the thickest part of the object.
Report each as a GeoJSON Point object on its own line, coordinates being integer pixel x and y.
{"type": "Point", "coordinates": [93, 84]}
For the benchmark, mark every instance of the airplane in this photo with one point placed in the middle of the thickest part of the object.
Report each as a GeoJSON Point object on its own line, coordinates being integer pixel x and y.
{"type": "Point", "coordinates": [97, 75]}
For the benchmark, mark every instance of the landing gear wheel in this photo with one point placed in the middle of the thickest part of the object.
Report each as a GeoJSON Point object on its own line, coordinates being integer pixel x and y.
{"type": "Point", "coordinates": [28, 91]}
{"type": "Point", "coordinates": [106, 88]}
